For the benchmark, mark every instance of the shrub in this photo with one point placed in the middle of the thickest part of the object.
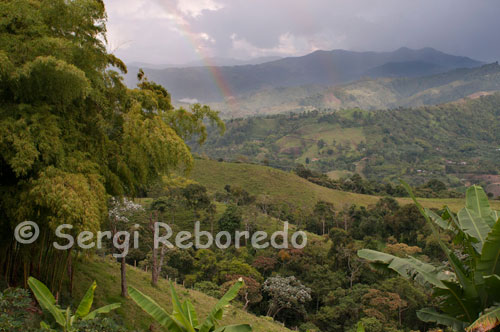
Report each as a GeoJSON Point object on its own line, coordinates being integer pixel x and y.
{"type": "Point", "coordinates": [14, 309]}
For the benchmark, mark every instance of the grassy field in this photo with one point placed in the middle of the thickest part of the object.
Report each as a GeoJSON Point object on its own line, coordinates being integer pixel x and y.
{"type": "Point", "coordinates": [290, 188]}
{"type": "Point", "coordinates": [107, 274]}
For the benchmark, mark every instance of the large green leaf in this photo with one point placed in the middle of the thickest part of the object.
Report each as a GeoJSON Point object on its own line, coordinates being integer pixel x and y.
{"type": "Point", "coordinates": [438, 220]}
{"type": "Point", "coordinates": [410, 268]}
{"type": "Point", "coordinates": [190, 312]}
{"type": "Point", "coordinates": [459, 269]}
{"type": "Point", "coordinates": [493, 287]}
{"type": "Point", "coordinates": [102, 310]}
{"type": "Point", "coordinates": [178, 311]}
{"type": "Point", "coordinates": [431, 315]}
{"type": "Point", "coordinates": [152, 308]}
{"type": "Point", "coordinates": [360, 328]}
{"type": "Point", "coordinates": [473, 225]}
{"type": "Point", "coordinates": [86, 302]}
{"type": "Point", "coordinates": [487, 321]}
{"type": "Point", "coordinates": [489, 262]}
{"type": "Point", "coordinates": [217, 310]}
{"type": "Point", "coordinates": [495, 215]}
{"type": "Point", "coordinates": [458, 303]}
{"type": "Point", "coordinates": [235, 328]}
{"type": "Point", "coordinates": [477, 201]}
{"type": "Point", "coordinates": [46, 300]}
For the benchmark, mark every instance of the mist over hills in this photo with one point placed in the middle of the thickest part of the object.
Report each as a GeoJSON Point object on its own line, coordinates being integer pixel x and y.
{"type": "Point", "coordinates": [214, 61]}
{"type": "Point", "coordinates": [369, 93]}
{"type": "Point", "coordinates": [323, 68]}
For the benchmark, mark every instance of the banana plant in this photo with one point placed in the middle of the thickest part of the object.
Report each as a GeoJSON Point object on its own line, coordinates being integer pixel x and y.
{"type": "Point", "coordinates": [64, 317]}
{"type": "Point", "coordinates": [184, 318]}
{"type": "Point", "coordinates": [468, 291]}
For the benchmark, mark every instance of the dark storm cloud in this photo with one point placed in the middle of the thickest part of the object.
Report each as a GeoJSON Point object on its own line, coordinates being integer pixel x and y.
{"type": "Point", "coordinates": [174, 31]}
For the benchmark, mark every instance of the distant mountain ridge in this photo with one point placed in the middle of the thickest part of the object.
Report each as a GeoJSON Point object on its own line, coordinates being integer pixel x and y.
{"type": "Point", "coordinates": [214, 61]}
{"type": "Point", "coordinates": [386, 93]}
{"type": "Point", "coordinates": [370, 93]}
{"type": "Point", "coordinates": [324, 68]}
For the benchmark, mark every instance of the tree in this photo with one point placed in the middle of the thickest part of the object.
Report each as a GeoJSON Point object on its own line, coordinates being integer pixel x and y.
{"type": "Point", "coordinates": [468, 288]}
{"type": "Point", "coordinates": [249, 294]}
{"type": "Point", "coordinates": [264, 264]}
{"type": "Point", "coordinates": [196, 197]}
{"type": "Point", "coordinates": [205, 264]}
{"type": "Point", "coordinates": [230, 220]}
{"type": "Point", "coordinates": [119, 213]}
{"type": "Point", "coordinates": [235, 266]}
{"type": "Point", "coordinates": [324, 213]}
{"type": "Point", "coordinates": [286, 293]}
{"type": "Point", "coordinates": [322, 281]}
{"type": "Point", "coordinates": [71, 133]}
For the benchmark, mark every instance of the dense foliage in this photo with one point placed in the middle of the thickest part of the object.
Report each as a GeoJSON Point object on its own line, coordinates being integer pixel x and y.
{"type": "Point", "coordinates": [75, 142]}
{"type": "Point", "coordinates": [455, 143]}
{"type": "Point", "coordinates": [467, 289]}
{"type": "Point", "coordinates": [71, 132]}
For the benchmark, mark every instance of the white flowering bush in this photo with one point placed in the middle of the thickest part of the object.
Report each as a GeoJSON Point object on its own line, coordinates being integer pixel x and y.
{"type": "Point", "coordinates": [286, 293]}
{"type": "Point", "coordinates": [120, 209]}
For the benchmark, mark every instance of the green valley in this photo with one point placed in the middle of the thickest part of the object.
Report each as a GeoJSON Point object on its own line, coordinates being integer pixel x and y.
{"type": "Point", "coordinates": [456, 142]}
{"type": "Point", "coordinates": [248, 179]}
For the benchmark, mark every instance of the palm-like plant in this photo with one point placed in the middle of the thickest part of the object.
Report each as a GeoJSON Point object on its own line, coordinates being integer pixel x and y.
{"type": "Point", "coordinates": [184, 318]}
{"type": "Point", "coordinates": [64, 317]}
{"type": "Point", "coordinates": [469, 289]}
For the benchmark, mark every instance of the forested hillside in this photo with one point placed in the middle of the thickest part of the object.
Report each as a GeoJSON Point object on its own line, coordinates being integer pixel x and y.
{"type": "Point", "coordinates": [389, 91]}
{"type": "Point", "coordinates": [123, 212]}
{"type": "Point", "coordinates": [456, 142]}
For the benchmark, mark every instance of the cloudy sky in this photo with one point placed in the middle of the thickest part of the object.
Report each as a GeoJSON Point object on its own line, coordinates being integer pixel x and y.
{"type": "Point", "coordinates": [180, 31]}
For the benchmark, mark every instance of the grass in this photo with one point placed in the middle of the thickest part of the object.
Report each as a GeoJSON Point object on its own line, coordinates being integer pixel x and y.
{"type": "Point", "coordinates": [338, 174]}
{"type": "Point", "coordinates": [288, 187]}
{"type": "Point", "coordinates": [107, 274]}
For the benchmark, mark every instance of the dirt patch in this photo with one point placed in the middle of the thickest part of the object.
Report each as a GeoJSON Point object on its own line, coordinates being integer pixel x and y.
{"type": "Point", "coordinates": [492, 182]}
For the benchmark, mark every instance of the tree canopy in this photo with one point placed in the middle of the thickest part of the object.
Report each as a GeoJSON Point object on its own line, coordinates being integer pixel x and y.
{"type": "Point", "coordinates": [71, 133]}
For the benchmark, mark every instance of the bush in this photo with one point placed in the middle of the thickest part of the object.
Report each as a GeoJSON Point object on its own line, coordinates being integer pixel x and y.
{"type": "Point", "coordinates": [14, 310]}
{"type": "Point", "coordinates": [189, 280]}
{"type": "Point", "coordinates": [208, 288]}
{"type": "Point", "coordinates": [308, 327]}
{"type": "Point", "coordinates": [99, 324]}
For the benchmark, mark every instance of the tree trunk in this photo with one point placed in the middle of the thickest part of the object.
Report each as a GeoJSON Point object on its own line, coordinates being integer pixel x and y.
{"type": "Point", "coordinates": [154, 263]}
{"type": "Point", "coordinates": [154, 269]}
{"type": "Point", "coordinates": [70, 274]}
{"type": "Point", "coordinates": [123, 270]}
{"type": "Point", "coordinates": [247, 301]}
{"type": "Point", "coordinates": [162, 256]}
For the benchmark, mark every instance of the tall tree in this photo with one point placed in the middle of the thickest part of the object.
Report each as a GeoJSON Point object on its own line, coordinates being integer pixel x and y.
{"type": "Point", "coordinates": [71, 133]}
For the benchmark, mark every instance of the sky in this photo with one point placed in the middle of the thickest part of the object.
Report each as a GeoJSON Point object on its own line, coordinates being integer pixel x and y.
{"type": "Point", "coordinates": [182, 31]}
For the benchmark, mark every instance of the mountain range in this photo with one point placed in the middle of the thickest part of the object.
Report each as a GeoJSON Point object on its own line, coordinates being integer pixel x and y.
{"type": "Point", "coordinates": [368, 93]}
{"type": "Point", "coordinates": [323, 68]}
{"type": "Point", "coordinates": [212, 61]}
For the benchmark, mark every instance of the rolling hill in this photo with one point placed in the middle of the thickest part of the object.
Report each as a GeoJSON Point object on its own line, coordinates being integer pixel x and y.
{"type": "Point", "coordinates": [381, 93]}
{"type": "Point", "coordinates": [107, 274]}
{"type": "Point", "coordinates": [409, 91]}
{"type": "Point", "coordinates": [287, 187]}
{"type": "Point", "coordinates": [451, 142]}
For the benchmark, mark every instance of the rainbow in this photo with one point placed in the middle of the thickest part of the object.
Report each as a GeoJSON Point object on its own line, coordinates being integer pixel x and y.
{"type": "Point", "coordinates": [193, 39]}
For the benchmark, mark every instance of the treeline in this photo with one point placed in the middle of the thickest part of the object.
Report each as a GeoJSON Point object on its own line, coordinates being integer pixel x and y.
{"type": "Point", "coordinates": [449, 142]}
{"type": "Point", "coordinates": [356, 184]}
